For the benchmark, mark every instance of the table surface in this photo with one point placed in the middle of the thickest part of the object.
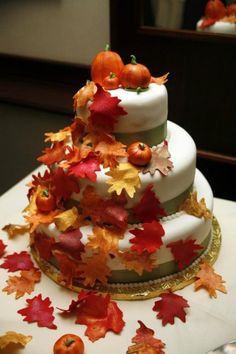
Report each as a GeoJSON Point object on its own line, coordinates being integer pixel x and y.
{"type": "Point", "coordinates": [209, 321]}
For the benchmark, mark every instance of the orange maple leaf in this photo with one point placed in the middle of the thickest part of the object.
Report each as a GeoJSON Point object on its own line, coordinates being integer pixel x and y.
{"type": "Point", "coordinates": [137, 262]}
{"type": "Point", "coordinates": [61, 135]}
{"type": "Point", "coordinates": [94, 269]}
{"type": "Point", "coordinates": [14, 230]}
{"type": "Point", "coordinates": [24, 283]}
{"type": "Point", "coordinates": [209, 280]}
{"type": "Point", "coordinates": [109, 151]}
{"type": "Point", "coordinates": [85, 94]}
{"type": "Point", "coordinates": [40, 218]}
{"type": "Point", "coordinates": [160, 80]}
{"type": "Point", "coordinates": [194, 207]}
{"type": "Point", "coordinates": [69, 269]}
{"type": "Point", "coordinates": [53, 154]}
{"type": "Point", "coordinates": [105, 239]}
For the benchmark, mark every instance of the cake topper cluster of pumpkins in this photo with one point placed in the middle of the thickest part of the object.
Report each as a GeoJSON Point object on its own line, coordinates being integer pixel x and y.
{"type": "Point", "coordinates": [215, 10]}
{"type": "Point", "coordinates": [109, 71]}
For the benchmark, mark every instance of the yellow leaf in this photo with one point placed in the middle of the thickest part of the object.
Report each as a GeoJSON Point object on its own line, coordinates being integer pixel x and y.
{"type": "Point", "coordinates": [62, 135]}
{"type": "Point", "coordinates": [95, 269]}
{"type": "Point", "coordinates": [14, 337]}
{"type": "Point", "coordinates": [68, 219]}
{"type": "Point", "coordinates": [39, 218]}
{"type": "Point", "coordinates": [124, 176]}
{"type": "Point", "coordinates": [105, 239]}
{"type": "Point", "coordinates": [193, 207]}
{"type": "Point", "coordinates": [14, 230]}
{"type": "Point", "coordinates": [138, 263]}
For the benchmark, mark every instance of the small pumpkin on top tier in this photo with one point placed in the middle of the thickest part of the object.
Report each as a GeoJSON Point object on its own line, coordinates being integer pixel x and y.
{"type": "Point", "coordinates": [111, 82]}
{"type": "Point", "coordinates": [104, 63]}
{"type": "Point", "coordinates": [139, 153]}
{"type": "Point", "coordinates": [135, 75]}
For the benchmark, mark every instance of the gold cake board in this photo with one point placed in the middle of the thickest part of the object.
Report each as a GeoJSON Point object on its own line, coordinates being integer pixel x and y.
{"type": "Point", "coordinates": [150, 289]}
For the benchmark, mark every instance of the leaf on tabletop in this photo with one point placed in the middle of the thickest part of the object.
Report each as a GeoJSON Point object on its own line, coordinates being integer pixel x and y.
{"type": "Point", "coordinates": [67, 220]}
{"type": "Point", "coordinates": [148, 208]}
{"type": "Point", "coordinates": [85, 94]}
{"type": "Point", "coordinates": [184, 251]}
{"type": "Point", "coordinates": [70, 242]}
{"type": "Point", "coordinates": [86, 168]}
{"type": "Point", "coordinates": [41, 218]}
{"type": "Point", "coordinates": [192, 207]}
{"type": "Point", "coordinates": [137, 262]}
{"type": "Point", "coordinates": [69, 268]}
{"type": "Point", "coordinates": [15, 338]}
{"type": "Point", "coordinates": [124, 177]}
{"type": "Point", "coordinates": [2, 248]}
{"type": "Point", "coordinates": [109, 151]}
{"type": "Point", "coordinates": [62, 135]}
{"type": "Point", "coordinates": [44, 245]}
{"type": "Point", "coordinates": [83, 294]}
{"type": "Point", "coordinates": [160, 80]}
{"type": "Point", "coordinates": [145, 342]}
{"type": "Point", "coordinates": [105, 239]}
{"type": "Point", "coordinates": [105, 110]}
{"type": "Point", "coordinates": [53, 154]}
{"type": "Point", "coordinates": [100, 315]}
{"type": "Point", "coordinates": [39, 310]}
{"type": "Point", "coordinates": [160, 161]}
{"type": "Point", "coordinates": [208, 279]}
{"type": "Point", "coordinates": [17, 261]}
{"type": "Point", "coordinates": [24, 283]}
{"type": "Point", "coordinates": [94, 269]}
{"type": "Point", "coordinates": [14, 230]}
{"type": "Point", "coordinates": [149, 238]}
{"type": "Point", "coordinates": [170, 306]}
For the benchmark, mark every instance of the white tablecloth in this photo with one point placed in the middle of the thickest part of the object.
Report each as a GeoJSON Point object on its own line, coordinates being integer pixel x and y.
{"type": "Point", "coordinates": [209, 322]}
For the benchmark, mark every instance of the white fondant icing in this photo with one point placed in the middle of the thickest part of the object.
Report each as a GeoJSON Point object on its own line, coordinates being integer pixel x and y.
{"type": "Point", "coordinates": [218, 27]}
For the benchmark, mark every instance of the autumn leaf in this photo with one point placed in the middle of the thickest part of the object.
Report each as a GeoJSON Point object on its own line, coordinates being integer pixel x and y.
{"type": "Point", "coordinates": [62, 135]}
{"type": "Point", "coordinates": [124, 177]}
{"type": "Point", "coordinates": [2, 248]}
{"type": "Point", "coordinates": [14, 230]}
{"type": "Point", "coordinates": [145, 342]}
{"type": "Point", "coordinates": [170, 306]}
{"type": "Point", "coordinates": [94, 269]}
{"type": "Point", "coordinates": [69, 268]}
{"type": "Point", "coordinates": [17, 261]}
{"type": "Point", "coordinates": [41, 218]}
{"type": "Point", "coordinates": [39, 310]}
{"type": "Point", "coordinates": [148, 208]}
{"type": "Point", "coordinates": [86, 168]}
{"type": "Point", "coordinates": [105, 110]}
{"type": "Point", "coordinates": [137, 262]}
{"type": "Point", "coordinates": [24, 283]}
{"type": "Point", "coordinates": [70, 242]}
{"type": "Point", "coordinates": [160, 80]}
{"type": "Point", "coordinates": [149, 238]}
{"type": "Point", "coordinates": [53, 154]}
{"type": "Point", "coordinates": [192, 207]}
{"type": "Point", "coordinates": [15, 338]}
{"type": "Point", "coordinates": [77, 128]}
{"type": "Point", "coordinates": [109, 151]}
{"type": "Point", "coordinates": [75, 154]}
{"type": "Point", "coordinates": [105, 239]}
{"type": "Point", "coordinates": [85, 94]}
{"type": "Point", "coordinates": [208, 279]}
{"type": "Point", "coordinates": [184, 251]}
{"type": "Point", "coordinates": [159, 161]}
{"type": "Point", "coordinates": [63, 185]}
{"type": "Point", "coordinates": [68, 219]}
{"type": "Point", "coordinates": [44, 245]}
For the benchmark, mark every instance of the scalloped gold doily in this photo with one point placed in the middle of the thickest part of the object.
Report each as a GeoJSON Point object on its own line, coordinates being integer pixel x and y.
{"type": "Point", "coordinates": [151, 289]}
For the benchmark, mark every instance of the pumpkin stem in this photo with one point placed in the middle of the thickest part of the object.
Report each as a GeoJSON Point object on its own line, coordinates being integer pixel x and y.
{"type": "Point", "coordinates": [133, 59]}
{"type": "Point", "coordinates": [107, 47]}
{"type": "Point", "coordinates": [141, 146]}
{"type": "Point", "coordinates": [69, 341]}
{"type": "Point", "coordinates": [45, 193]}
{"type": "Point", "coordinates": [112, 75]}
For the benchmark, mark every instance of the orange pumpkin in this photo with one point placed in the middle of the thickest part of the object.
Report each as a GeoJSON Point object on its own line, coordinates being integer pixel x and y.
{"type": "Point", "coordinates": [104, 63]}
{"type": "Point", "coordinates": [231, 9]}
{"type": "Point", "coordinates": [135, 75]}
{"type": "Point", "coordinates": [111, 82]}
{"type": "Point", "coordinates": [69, 344]}
{"type": "Point", "coordinates": [215, 9]}
{"type": "Point", "coordinates": [139, 153]}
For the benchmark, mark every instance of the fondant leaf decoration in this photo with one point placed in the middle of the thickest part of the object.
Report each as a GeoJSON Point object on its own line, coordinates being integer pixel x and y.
{"type": "Point", "coordinates": [148, 208]}
{"type": "Point", "coordinates": [170, 306]}
{"type": "Point", "coordinates": [86, 168]}
{"type": "Point", "coordinates": [12, 337]}
{"type": "Point", "coordinates": [208, 279]}
{"type": "Point", "coordinates": [62, 135]}
{"type": "Point", "coordinates": [75, 303]}
{"type": "Point", "coordinates": [40, 311]}
{"type": "Point", "coordinates": [109, 151]}
{"type": "Point", "coordinates": [77, 128]}
{"type": "Point", "coordinates": [149, 238]}
{"type": "Point", "coordinates": [85, 94]}
{"type": "Point", "coordinates": [41, 180]}
{"type": "Point", "coordinates": [105, 110]}
{"type": "Point", "coordinates": [145, 342]}
{"type": "Point", "coordinates": [160, 161]}
{"type": "Point", "coordinates": [184, 251]}
{"type": "Point", "coordinates": [41, 218]}
{"type": "Point", "coordinates": [14, 230]}
{"type": "Point", "coordinates": [192, 207]}
{"type": "Point", "coordinates": [105, 239]}
{"type": "Point", "coordinates": [69, 268]}
{"type": "Point", "coordinates": [70, 242]}
{"type": "Point", "coordinates": [17, 261]}
{"type": "Point", "coordinates": [25, 283]}
{"type": "Point", "coordinates": [75, 154]}
{"type": "Point", "coordinates": [63, 185]}
{"type": "Point", "coordinates": [124, 177]}
{"type": "Point", "coordinates": [2, 248]}
{"type": "Point", "coordinates": [68, 219]}
{"type": "Point", "coordinates": [53, 154]}
{"type": "Point", "coordinates": [94, 269]}
{"type": "Point", "coordinates": [100, 315]}
{"type": "Point", "coordinates": [137, 262]}
{"type": "Point", "coordinates": [160, 80]}
{"type": "Point", "coordinates": [43, 244]}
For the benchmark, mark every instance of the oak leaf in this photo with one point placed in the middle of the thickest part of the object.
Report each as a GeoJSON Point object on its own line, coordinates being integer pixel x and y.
{"type": "Point", "coordinates": [86, 168]}
{"type": "Point", "coordinates": [109, 151]}
{"type": "Point", "coordinates": [12, 337]}
{"type": "Point", "coordinates": [208, 279]}
{"type": "Point", "coordinates": [39, 310]}
{"type": "Point", "coordinates": [160, 161]}
{"type": "Point", "coordinates": [124, 177]}
{"type": "Point", "coordinates": [170, 306]}
{"type": "Point", "coordinates": [194, 207]}
{"type": "Point", "coordinates": [137, 262]}
{"type": "Point", "coordinates": [94, 269]}
{"type": "Point", "coordinates": [184, 251]}
{"type": "Point", "coordinates": [2, 248]}
{"type": "Point", "coordinates": [24, 283]}
{"type": "Point", "coordinates": [105, 239]}
{"type": "Point", "coordinates": [17, 261]}
{"type": "Point", "coordinates": [53, 154]}
{"type": "Point", "coordinates": [85, 94]}
{"type": "Point", "coordinates": [14, 230]}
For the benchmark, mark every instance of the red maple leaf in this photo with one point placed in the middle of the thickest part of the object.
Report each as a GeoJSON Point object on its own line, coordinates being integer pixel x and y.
{"type": "Point", "coordinates": [2, 248]}
{"type": "Point", "coordinates": [148, 208]}
{"type": "Point", "coordinates": [39, 310]}
{"type": "Point", "coordinates": [86, 168]}
{"type": "Point", "coordinates": [63, 185]}
{"type": "Point", "coordinates": [148, 238]}
{"type": "Point", "coordinates": [53, 154]}
{"type": "Point", "coordinates": [69, 269]}
{"type": "Point", "coordinates": [184, 251]}
{"type": "Point", "coordinates": [170, 306]}
{"type": "Point", "coordinates": [43, 244]}
{"type": "Point", "coordinates": [105, 110]}
{"type": "Point", "coordinates": [75, 303]}
{"type": "Point", "coordinates": [70, 242]}
{"type": "Point", "coordinates": [17, 261]}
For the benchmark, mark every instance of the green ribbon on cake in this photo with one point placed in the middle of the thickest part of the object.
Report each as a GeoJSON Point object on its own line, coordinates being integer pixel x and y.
{"type": "Point", "coordinates": [151, 137]}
